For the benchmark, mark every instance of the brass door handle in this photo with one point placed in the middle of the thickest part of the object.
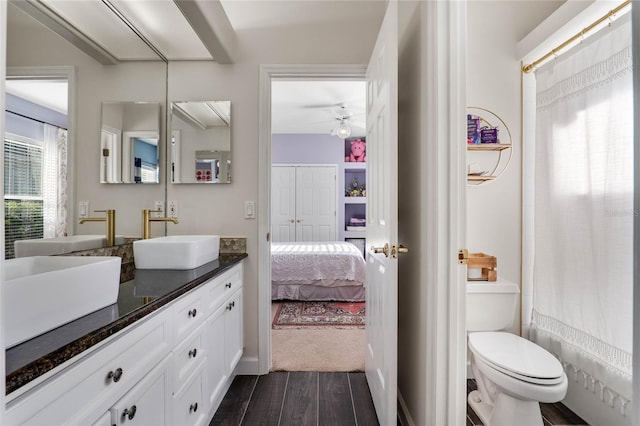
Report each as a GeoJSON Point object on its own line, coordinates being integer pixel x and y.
{"type": "Point", "coordinates": [384, 249]}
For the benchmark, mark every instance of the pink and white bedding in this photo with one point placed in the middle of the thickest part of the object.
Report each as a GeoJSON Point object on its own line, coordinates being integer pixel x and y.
{"type": "Point", "coordinates": [332, 270]}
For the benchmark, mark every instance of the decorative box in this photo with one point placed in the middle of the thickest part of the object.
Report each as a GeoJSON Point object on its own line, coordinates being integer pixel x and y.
{"type": "Point", "coordinates": [482, 267]}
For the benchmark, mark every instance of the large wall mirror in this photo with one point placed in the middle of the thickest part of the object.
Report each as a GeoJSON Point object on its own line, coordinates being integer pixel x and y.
{"type": "Point", "coordinates": [200, 141]}
{"type": "Point", "coordinates": [33, 49]}
{"type": "Point", "coordinates": [129, 136]}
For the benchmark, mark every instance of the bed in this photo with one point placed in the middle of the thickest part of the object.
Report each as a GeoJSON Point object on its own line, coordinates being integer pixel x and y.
{"type": "Point", "coordinates": [331, 270]}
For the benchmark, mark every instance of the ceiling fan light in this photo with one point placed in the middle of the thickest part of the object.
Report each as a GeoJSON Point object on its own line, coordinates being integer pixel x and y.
{"type": "Point", "coordinates": [343, 131]}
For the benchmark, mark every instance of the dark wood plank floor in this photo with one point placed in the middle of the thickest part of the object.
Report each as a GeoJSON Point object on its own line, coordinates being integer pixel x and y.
{"type": "Point", "coordinates": [552, 414]}
{"type": "Point", "coordinates": [314, 398]}
{"type": "Point", "coordinates": [297, 398]}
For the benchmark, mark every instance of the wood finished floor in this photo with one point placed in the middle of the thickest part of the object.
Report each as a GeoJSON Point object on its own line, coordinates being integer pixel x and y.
{"type": "Point", "coordinates": [297, 398]}
{"type": "Point", "coordinates": [552, 414]}
{"type": "Point", "coordinates": [317, 398]}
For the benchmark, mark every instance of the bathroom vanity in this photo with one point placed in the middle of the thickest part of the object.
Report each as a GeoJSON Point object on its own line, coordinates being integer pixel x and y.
{"type": "Point", "coordinates": [165, 353]}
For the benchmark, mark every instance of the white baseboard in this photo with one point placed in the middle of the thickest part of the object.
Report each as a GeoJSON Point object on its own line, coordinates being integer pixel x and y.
{"type": "Point", "coordinates": [403, 413]}
{"type": "Point", "coordinates": [248, 366]}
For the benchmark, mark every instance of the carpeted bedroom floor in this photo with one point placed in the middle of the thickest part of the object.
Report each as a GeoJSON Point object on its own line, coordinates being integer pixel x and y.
{"type": "Point", "coordinates": [306, 349]}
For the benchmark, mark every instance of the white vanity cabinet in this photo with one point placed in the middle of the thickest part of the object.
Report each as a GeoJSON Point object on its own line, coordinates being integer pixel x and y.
{"type": "Point", "coordinates": [169, 368]}
{"type": "Point", "coordinates": [87, 387]}
{"type": "Point", "coordinates": [224, 333]}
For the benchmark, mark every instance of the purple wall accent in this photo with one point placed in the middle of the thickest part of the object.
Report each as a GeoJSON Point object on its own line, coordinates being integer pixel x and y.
{"type": "Point", "coordinates": [306, 149]}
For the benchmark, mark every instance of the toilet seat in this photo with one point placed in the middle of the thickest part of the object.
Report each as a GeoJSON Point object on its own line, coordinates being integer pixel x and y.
{"type": "Point", "coordinates": [516, 357]}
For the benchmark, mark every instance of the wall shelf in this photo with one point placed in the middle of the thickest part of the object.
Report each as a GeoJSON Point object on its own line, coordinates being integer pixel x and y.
{"type": "Point", "coordinates": [489, 160]}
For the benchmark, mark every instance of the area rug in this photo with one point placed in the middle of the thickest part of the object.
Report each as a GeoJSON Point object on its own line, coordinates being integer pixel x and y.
{"type": "Point", "coordinates": [319, 315]}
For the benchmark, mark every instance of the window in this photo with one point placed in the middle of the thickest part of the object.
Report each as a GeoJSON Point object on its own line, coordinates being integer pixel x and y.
{"type": "Point", "coordinates": [23, 195]}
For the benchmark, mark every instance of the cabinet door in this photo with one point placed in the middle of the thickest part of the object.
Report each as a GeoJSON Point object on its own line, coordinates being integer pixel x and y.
{"type": "Point", "coordinates": [233, 332]}
{"type": "Point", "coordinates": [190, 406]}
{"type": "Point", "coordinates": [217, 372]}
{"type": "Point", "coordinates": [147, 403]}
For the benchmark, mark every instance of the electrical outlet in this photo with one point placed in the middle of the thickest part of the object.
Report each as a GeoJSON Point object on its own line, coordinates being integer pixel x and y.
{"type": "Point", "coordinates": [158, 205]}
{"type": "Point", "coordinates": [173, 209]}
{"type": "Point", "coordinates": [83, 209]}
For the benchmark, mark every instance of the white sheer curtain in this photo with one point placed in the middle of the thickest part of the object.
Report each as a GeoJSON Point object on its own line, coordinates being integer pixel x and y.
{"type": "Point", "coordinates": [583, 215]}
{"type": "Point", "coordinates": [54, 185]}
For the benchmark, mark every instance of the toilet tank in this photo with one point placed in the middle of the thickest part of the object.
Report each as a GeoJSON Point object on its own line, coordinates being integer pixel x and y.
{"type": "Point", "coordinates": [491, 306]}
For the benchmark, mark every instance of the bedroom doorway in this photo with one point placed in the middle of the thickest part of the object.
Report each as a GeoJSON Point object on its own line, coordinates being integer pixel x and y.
{"type": "Point", "coordinates": [318, 208]}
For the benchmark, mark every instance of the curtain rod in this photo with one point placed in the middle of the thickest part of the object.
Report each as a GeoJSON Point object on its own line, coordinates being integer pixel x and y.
{"type": "Point", "coordinates": [556, 50]}
{"type": "Point", "coordinates": [34, 119]}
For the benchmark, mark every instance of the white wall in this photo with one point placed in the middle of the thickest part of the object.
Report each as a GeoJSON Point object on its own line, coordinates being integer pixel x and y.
{"type": "Point", "coordinates": [219, 208]}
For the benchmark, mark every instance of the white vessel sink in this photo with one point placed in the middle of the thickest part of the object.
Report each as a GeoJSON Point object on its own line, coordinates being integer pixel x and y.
{"type": "Point", "coordinates": [44, 292]}
{"type": "Point", "coordinates": [176, 251]}
{"type": "Point", "coordinates": [59, 245]}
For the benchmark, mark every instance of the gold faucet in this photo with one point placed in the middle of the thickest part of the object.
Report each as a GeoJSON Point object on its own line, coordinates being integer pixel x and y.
{"type": "Point", "coordinates": [109, 219]}
{"type": "Point", "coordinates": [147, 219]}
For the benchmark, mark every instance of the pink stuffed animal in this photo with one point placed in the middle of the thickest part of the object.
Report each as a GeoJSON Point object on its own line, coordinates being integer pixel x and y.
{"type": "Point", "coordinates": [358, 152]}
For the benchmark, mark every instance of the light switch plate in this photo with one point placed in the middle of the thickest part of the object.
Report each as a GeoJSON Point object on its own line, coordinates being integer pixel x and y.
{"type": "Point", "coordinates": [83, 209]}
{"type": "Point", "coordinates": [249, 209]}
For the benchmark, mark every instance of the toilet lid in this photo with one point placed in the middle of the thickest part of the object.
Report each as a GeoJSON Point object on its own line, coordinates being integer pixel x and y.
{"type": "Point", "coordinates": [516, 357]}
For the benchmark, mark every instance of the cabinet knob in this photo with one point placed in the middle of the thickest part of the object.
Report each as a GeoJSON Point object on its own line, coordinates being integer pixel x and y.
{"type": "Point", "coordinates": [193, 353]}
{"type": "Point", "coordinates": [115, 375]}
{"type": "Point", "coordinates": [231, 305]}
{"type": "Point", "coordinates": [130, 413]}
{"type": "Point", "coordinates": [228, 285]}
{"type": "Point", "coordinates": [193, 312]}
{"type": "Point", "coordinates": [193, 408]}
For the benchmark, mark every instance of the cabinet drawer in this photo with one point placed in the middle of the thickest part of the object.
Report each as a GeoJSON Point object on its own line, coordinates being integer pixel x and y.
{"type": "Point", "coordinates": [220, 288]}
{"type": "Point", "coordinates": [190, 406]}
{"type": "Point", "coordinates": [189, 313]}
{"type": "Point", "coordinates": [146, 403]}
{"type": "Point", "coordinates": [96, 381]}
{"type": "Point", "coordinates": [187, 356]}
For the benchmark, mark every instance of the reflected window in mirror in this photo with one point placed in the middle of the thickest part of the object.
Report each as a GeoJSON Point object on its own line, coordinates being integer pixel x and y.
{"type": "Point", "coordinates": [200, 142]}
{"type": "Point", "coordinates": [35, 160]}
{"type": "Point", "coordinates": [129, 142]}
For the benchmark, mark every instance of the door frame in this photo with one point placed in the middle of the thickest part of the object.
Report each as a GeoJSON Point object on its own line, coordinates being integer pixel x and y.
{"type": "Point", "coordinates": [268, 73]}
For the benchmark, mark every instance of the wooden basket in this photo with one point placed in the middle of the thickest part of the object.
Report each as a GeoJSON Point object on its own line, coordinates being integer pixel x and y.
{"type": "Point", "coordinates": [487, 265]}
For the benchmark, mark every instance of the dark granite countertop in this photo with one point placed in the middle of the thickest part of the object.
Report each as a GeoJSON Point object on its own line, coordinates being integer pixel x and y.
{"type": "Point", "coordinates": [137, 298]}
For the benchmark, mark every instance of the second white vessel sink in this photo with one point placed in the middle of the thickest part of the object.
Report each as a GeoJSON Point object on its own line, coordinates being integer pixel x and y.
{"type": "Point", "coordinates": [45, 292]}
{"type": "Point", "coordinates": [176, 251]}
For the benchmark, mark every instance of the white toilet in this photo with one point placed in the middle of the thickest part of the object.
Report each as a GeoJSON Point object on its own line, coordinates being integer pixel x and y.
{"type": "Point", "coordinates": [513, 374]}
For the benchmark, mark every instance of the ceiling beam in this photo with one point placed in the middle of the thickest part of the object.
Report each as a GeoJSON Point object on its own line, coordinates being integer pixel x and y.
{"type": "Point", "coordinates": [56, 23]}
{"type": "Point", "coordinates": [209, 21]}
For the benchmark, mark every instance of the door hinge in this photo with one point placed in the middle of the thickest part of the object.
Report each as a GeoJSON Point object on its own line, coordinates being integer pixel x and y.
{"type": "Point", "coordinates": [268, 236]}
{"type": "Point", "coordinates": [463, 257]}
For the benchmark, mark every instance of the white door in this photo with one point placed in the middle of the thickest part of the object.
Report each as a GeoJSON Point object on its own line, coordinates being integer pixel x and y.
{"type": "Point", "coordinates": [316, 203]}
{"type": "Point", "coordinates": [382, 220]}
{"type": "Point", "coordinates": [283, 204]}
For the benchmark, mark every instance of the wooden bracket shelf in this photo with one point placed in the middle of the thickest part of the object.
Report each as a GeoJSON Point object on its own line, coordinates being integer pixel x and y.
{"type": "Point", "coordinates": [473, 178]}
{"type": "Point", "coordinates": [487, 146]}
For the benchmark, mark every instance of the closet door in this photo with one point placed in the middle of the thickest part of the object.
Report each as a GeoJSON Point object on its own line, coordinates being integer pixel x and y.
{"type": "Point", "coordinates": [315, 203]}
{"type": "Point", "coordinates": [303, 203]}
{"type": "Point", "coordinates": [283, 204]}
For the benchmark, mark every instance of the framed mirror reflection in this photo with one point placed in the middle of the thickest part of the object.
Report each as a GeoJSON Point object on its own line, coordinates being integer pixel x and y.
{"type": "Point", "coordinates": [200, 141]}
{"type": "Point", "coordinates": [129, 142]}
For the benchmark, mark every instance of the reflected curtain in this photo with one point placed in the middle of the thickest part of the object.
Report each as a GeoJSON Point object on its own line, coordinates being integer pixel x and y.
{"type": "Point", "coordinates": [583, 215]}
{"type": "Point", "coordinates": [54, 185]}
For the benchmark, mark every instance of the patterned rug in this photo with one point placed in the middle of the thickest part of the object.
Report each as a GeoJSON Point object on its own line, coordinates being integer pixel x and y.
{"type": "Point", "coordinates": [319, 315]}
